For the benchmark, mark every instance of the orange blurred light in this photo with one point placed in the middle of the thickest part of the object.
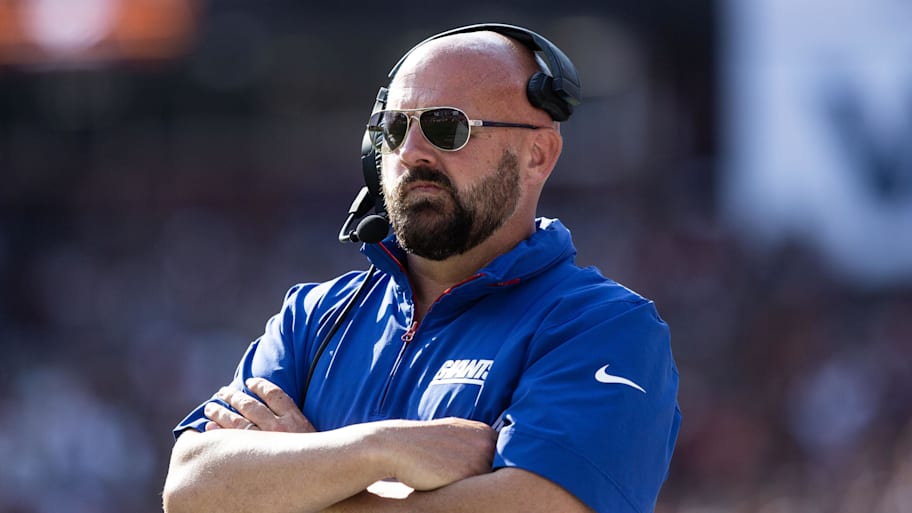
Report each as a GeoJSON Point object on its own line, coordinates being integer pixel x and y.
{"type": "Point", "coordinates": [56, 32]}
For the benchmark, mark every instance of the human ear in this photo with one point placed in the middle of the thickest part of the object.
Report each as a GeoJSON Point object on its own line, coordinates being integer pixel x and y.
{"type": "Point", "coordinates": [543, 150]}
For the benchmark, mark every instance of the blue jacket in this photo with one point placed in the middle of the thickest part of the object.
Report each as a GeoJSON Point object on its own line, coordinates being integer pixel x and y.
{"type": "Point", "coordinates": [574, 369]}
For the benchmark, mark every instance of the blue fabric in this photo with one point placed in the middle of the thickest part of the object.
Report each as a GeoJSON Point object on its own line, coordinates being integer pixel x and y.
{"type": "Point", "coordinates": [519, 346]}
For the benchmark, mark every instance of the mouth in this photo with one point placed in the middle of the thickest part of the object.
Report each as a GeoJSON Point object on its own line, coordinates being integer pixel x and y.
{"type": "Point", "coordinates": [425, 188]}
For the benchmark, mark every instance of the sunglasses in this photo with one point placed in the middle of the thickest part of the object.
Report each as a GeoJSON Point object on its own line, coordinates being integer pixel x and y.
{"type": "Point", "coordinates": [447, 128]}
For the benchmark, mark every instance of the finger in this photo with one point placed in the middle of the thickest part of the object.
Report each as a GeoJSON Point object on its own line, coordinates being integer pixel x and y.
{"type": "Point", "coordinates": [224, 417]}
{"type": "Point", "coordinates": [274, 397]}
{"type": "Point", "coordinates": [212, 426]}
{"type": "Point", "coordinates": [248, 407]}
{"type": "Point", "coordinates": [289, 417]}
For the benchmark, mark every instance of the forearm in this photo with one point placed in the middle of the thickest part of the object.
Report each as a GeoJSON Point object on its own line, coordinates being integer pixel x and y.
{"type": "Point", "coordinates": [230, 470]}
{"type": "Point", "coordinates": [504, 491]}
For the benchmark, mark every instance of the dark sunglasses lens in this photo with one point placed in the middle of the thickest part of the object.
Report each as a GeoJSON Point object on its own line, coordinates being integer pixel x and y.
{"type": "Point", "coordinates": [393, 125]}
{"type": "Point", "coordinates": [447, 129]}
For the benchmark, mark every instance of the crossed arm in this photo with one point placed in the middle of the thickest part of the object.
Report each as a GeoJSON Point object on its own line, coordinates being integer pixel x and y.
{"type": "Point", "coordinates": [285, 465]}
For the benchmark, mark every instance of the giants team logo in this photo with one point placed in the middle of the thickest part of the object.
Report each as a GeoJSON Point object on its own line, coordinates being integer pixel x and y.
{"type": "Point", "coordinates": [470, 372]}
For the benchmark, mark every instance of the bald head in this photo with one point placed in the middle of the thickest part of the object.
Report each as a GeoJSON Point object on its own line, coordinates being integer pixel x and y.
{"type": "Point", "coordinates": [481, 70]}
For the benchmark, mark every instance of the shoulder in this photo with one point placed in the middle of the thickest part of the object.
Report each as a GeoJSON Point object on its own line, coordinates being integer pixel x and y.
{"type": "Point", "coordinates": [313, 295]}
{"type": "Point", "coordinates": [586, 310]}
{"type": "Point", "coordinates": [575, 291]}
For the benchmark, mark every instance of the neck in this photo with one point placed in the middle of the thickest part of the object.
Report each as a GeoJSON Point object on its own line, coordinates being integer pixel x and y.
{"type": "Point", "coordinates": [430, 278]}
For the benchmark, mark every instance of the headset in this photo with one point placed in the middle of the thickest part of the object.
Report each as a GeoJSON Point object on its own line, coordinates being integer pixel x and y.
{"type": "Point", "coordinates": [555, 88]}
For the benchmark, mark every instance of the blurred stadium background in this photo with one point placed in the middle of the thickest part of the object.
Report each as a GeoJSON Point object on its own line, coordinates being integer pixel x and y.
{"type": "Point", "coordinates": [168, 168]}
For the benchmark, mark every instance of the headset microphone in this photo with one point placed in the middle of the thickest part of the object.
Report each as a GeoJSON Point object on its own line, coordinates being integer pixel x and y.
{"type": "Point", "coordinates": [372, 229]}
{"type": "Point", "coordinates": [361, 204]}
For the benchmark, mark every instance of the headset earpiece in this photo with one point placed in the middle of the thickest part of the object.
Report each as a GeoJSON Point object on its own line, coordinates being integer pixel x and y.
{"type": "Point", "coordinates": [370, 167]}
{"type": "Point", "coordinates": [371, 157]}
{"type": "Point", "coordinates": [540, 92]}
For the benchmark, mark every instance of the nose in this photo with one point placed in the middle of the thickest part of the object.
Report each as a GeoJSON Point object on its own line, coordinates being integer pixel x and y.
{"type": "Point", "coordinates": [415, 149]}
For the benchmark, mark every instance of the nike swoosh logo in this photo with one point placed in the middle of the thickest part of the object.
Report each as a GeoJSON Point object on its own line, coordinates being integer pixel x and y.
{"type": "Point", "coordinates": [603, 377]}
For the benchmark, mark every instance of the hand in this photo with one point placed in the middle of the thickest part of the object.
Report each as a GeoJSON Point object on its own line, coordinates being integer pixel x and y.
{"type": "Point", "coordinates": [276, 412]}
{"type": "Point", "coordinates": [429, 454]}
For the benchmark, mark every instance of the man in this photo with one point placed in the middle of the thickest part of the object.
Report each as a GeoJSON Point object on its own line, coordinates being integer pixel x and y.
{"type": "Point", "coordinates": [480, 368]}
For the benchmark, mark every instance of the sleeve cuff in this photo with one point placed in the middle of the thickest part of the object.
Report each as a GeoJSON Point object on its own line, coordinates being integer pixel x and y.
{"type": "Point", "coordinates": [561, 465]}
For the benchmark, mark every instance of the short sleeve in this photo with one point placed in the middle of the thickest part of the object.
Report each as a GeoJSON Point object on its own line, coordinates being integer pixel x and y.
{"type": "Point", "coordinates": [595, 410]}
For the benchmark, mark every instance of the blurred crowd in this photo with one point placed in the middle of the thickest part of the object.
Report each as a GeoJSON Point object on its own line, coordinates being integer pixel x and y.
{"type": "Point", "coordinates": [152, 217]}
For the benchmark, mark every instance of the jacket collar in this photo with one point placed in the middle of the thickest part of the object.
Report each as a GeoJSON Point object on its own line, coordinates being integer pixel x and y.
{"type": "Point", "coordinates": [548, 246]}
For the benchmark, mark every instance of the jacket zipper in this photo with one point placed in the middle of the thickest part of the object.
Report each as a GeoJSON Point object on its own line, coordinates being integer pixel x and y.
{"type": "Point", "coordinates": [409, 335]}
{"type": "Point", "coordinates": [406, 338]}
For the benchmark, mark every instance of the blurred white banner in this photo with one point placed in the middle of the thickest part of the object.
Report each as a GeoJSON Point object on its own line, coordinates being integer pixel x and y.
{"type": "Point", "coordinates": [816, 131]}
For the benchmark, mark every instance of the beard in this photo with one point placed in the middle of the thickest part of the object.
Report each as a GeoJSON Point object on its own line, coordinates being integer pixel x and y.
{"type": "Point", "coordinates": [444, 225]}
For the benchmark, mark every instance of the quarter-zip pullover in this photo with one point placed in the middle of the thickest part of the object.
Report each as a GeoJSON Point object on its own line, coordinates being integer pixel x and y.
{"type": "Point", "coordinates": [575, 370]}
